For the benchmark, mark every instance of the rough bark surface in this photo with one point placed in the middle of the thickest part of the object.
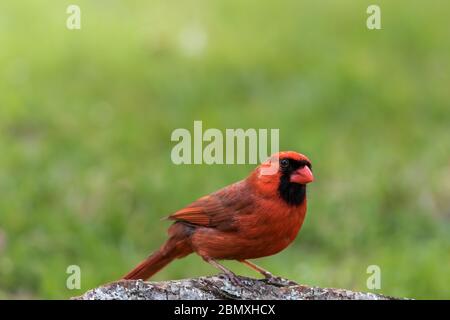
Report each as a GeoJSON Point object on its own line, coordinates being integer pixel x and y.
{"type": "Point", "coordinates": [218, 287]}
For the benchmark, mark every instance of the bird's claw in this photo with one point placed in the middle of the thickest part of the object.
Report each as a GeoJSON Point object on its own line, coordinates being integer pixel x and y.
{"type": "Point", "coordinates": [278, 281]}
{"type": "Point", "coordinates": [234, 279]}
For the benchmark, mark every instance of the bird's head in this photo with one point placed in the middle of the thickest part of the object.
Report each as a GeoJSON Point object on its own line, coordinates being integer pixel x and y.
{"type": "Point", "coordinates": [287, 174]}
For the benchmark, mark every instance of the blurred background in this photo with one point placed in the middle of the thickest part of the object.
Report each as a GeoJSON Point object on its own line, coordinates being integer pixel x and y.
{"type": "Point", "coordinates": [86, 118]}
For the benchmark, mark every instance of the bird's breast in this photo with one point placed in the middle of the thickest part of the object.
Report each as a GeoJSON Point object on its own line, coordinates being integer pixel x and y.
{"type": "Point", "coordinates": [273, 230]}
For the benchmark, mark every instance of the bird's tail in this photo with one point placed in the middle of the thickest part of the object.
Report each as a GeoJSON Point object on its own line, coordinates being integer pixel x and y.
{"type": "Point", "coordinates": [149, 266]}
{"type": "Point", "coordinates": [177, 246]}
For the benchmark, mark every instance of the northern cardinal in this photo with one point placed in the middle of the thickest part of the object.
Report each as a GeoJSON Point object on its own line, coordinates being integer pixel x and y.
{"type": "Point", "coordinates": [255, 217]}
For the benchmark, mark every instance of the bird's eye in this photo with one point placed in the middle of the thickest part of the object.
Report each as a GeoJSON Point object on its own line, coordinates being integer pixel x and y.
{"type": "Point", "coordinates": [284, 163]}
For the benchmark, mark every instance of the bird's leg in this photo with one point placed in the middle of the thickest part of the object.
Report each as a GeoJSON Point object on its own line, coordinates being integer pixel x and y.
{"type": "Point", "coordinates": [230, 274]}
{"type": "Point", "coordinates": [270, 278]}
{"type": "Point", "coordinates": [264, 272]}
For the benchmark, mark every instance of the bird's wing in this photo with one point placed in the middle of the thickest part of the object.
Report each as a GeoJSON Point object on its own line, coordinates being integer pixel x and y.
{"type": "Point", "coordinates": [218, 210]}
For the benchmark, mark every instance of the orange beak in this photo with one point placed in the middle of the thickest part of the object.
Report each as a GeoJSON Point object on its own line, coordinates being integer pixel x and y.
{"type": "Point", "coordinates": [302, 175]}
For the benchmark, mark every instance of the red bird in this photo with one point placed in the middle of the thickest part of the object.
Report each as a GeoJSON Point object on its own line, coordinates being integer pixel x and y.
{"type": "Point", "coordinates": [252, 218]}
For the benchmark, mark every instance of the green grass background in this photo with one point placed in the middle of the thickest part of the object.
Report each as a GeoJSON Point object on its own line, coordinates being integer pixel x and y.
{"type": "Point", "coordinates": [86, 118]}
